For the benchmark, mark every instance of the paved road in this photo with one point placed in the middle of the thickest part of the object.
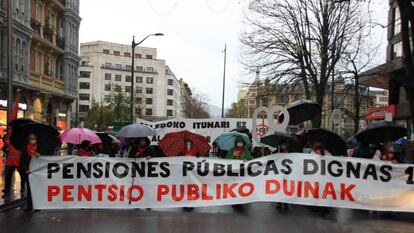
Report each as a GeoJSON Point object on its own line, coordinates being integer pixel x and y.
{"type": "Point", "coordinates": [255, 218]}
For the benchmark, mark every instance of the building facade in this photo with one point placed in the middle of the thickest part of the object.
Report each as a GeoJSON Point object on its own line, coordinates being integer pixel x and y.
{"type": "Point", "coordinates": [105, 65]}
{"type": "Point", "coordinates": [391, 74]}
{"type": "Point", "coordinates": [21, 42]}
{"type": "Point", "coordinates": [45, 58]}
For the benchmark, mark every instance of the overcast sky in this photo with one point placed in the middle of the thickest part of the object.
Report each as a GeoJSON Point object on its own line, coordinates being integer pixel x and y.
{"type": "Point", "coordinates": [195, 34]}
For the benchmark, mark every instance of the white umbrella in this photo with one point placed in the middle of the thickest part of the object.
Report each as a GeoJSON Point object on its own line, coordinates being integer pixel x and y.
{"type": "Point", "coordinates": [136, 131]}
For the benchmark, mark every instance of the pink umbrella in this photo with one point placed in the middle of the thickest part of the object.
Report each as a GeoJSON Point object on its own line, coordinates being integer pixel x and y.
{"type": "Point", "coordinates": [78, 135]}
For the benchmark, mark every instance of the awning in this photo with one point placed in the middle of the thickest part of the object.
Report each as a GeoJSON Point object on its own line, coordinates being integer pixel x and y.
{"type": "Point", "coordinates": [379, 76]}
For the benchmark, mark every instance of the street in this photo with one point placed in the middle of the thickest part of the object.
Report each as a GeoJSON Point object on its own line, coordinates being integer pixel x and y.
{"type": "Point", "coordinates": [258, 217]}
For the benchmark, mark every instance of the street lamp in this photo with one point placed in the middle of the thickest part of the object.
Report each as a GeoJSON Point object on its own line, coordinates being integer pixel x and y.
{"type": "Point", "coordinates": [133, 45]}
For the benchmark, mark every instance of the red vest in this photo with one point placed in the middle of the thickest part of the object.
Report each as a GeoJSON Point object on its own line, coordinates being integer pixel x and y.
{"type": "Point", "coordinates": [13, 157]}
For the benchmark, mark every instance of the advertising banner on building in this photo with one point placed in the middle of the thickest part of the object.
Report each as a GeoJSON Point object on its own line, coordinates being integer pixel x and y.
{"type": "Point", "coordinates": [68, 182]}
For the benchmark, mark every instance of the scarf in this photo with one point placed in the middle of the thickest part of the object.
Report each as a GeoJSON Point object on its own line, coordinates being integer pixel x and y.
{"type": "Point", "coordinates": [85, 152]}
{"type": "Point", "coordinates": [190, 152]}
{"type": "Point", "coordinates": [238, 151]}
{"type": "Point", "coordinates": [141, 150]}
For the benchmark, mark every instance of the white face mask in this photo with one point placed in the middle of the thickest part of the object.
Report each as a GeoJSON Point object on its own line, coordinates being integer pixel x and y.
{"type": "Point", "coordinates": [240, 144]}
{"type": "Point", "coordinates": [33, 141]}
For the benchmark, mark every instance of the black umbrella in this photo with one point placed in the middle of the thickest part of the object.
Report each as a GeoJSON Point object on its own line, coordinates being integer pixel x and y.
{"type": "Point", "coordinates": [47, 137]}
{"type": "Point", "coordinates": [301, 111]}
{"type": "Point", "coordinates": [243, 130]}
{"type": "Point", "coordinates": [20, 122]}
{"type": "Point", "coordinates": [277, 138]}
{"type": "Point", "coordinates": [381, 131]}
{"type": "Point", "coordinates": [332, 141]}
{"type": "Point", "coordinates": [352, 142]}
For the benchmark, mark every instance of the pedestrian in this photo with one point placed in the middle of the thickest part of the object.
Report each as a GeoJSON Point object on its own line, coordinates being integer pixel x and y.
{"type": "Point", "coordinates": [12, 164]}
{"type": "Point", "coordinates": [189, 149]}
{"type": "Point", "coordinates": [140, 148]}
{"type": "Point", "coordinates": [239, 151]}
{"type": "Point", "coordinates": [85, 149]}
{"type": "Point", "coordinates": [390, 154]}
{"type": "Point", "coordinates": [31, 150]}
{"type": "Point", "coordinates": [318, 148]}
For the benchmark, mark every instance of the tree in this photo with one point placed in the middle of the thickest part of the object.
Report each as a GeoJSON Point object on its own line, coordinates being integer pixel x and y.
{"type": "Point", "coordinates": [237, 110]}
{"type": "Point", "coordinates": [195, 107]}
{"type": "Point", "coordinates": [290, 40]}
{"type": "Point", "coordinates": [358, 56]}
{"type": "Point", "coordinates": [99, 117]}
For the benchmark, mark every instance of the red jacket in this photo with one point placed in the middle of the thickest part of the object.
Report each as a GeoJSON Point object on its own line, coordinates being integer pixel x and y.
{"type": "Point", "coordinates": [13, 157]}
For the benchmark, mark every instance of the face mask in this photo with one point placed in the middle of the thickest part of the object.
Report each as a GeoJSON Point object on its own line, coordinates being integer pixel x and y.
{"type": "Point", "coordinates": [33, 141]}
{"type": "Point", "coordinates": [142, 142]}
{"type": "Point", "coordinates": [240, 144]}
{"type": "Point", "coordinates": [391, 149]}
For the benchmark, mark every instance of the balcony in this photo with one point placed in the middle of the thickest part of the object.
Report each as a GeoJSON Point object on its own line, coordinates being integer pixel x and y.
{"type": "Point", "coordinates": [60, 42]}
{"type": "Point", "coordinates": [36, 26]}
{"type": "Point", "coordinates": [48, 33]}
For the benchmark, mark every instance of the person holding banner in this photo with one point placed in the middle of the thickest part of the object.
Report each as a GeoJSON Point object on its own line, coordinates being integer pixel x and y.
{"type": "Point", "coordinates": [239, 151]}
{"type": "Point", "coordinates": [31, 150]}
{"type": "Point", "coordinates": [318, 148]}
{"type": "Point", "coordinates": [85, 149]}
{"type": "Point", "coordinates": [189, 149]}
{"type": "Point", "coordinates": [140, 148]}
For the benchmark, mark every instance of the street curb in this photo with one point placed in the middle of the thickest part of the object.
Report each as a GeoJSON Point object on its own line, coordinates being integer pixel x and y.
{"type": "Point", "coordinates": [12, 204]}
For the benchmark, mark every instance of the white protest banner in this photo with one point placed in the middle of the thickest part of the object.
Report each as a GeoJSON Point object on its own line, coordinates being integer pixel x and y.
{"type": "Point", "coordinates": [211, 128]}
{"type": "Point", "coordinates": [62, 182]}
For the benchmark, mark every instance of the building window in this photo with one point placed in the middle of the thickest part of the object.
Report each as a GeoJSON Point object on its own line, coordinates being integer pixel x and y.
{"type": "Point", "coordinates": [118, 66]}
{"type": "Point", "coordinates": [107, 87]}
{"type": "Point", "coordinates": [138, 111]}
{"type": "Point", "coordinates": [252, 102]}
{"type": "Point", "coordinates": [150, 69]}
{"type": "Point", "coordinates": [127, 54]}
{"type": "Point", "coordinates": [118, 77]}
{"type": "Point", "coordinates": [107, 98]}
{"type": "Point", "coordinates": [105, 51]}
{"type": "Point", "coordinates": [170, 102]}
{"type": "Point", "coordinates": [128, 89]}
{"type": "Point", "coordinates": [139, 68]}
{"type": "Point", "coordinates": [396, 21]}
{"type": "Point", "coordinates": [117, 53]}
{"type": "Point", "coordinates": [137, 55]}
{"type": "Point", "coordinates": [148, 112]}
{"type": "Point", "coordinates": [84, 74]}
{"type": "Point", "coordinates": [83, 96]}
{"type": "Point", "coordinates": [84, 85]}
{"type": "Point", "coordinates": [107, 65]}
{"type": "Point", "coordinates": [138, 79]}
{"type": "Point", "coordinates": [170, 92]}
{"type": "Point", "coordinates": [149, 91]}
{"type": "Point", "coordinates": [169, 113]}
{"type": "Point", "coordinates": [139, 90]}
{"type": "Point", "coordinates": [138, 100]}
{"type": "Point", "coordinates": [107, 76]}
{"type": "Point", "coordinates": [170, 82]}
{"type": "Point", "coordinates": [148, 56]}
{"type": "Point", "coordinates": [128, 78]}
{"type": "Point", "coordinates": [150, 80]}
{"type": "Point", "coordinates": [148, 101]}
{"type": "Point", "coordinates": [128, 67]}
{"type": "Point", "coordinates": [85, 63]}
{"type": "Point", "coordinates": [83, 108]}
{"type": "Point", "coordinates": [397, 50]}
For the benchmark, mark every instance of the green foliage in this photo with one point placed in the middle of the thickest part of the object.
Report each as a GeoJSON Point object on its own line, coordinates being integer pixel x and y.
{"type": "Point", "coordinates": [99, 117]}
{"type": "Point", "coordinates": [237, 110]}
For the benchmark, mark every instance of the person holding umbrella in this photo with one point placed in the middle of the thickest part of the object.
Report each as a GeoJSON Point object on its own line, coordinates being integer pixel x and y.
{"type": "Point", "coordinates": [239, 151]}
{"type": "Point", "coordinates": [140, 148]}
{"type": "Point", "coordinates": [189, 149]}
{"type": "Point", "coordinates": [85, 149]}
{"type": "Point", "coordinates": [318, 148]}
